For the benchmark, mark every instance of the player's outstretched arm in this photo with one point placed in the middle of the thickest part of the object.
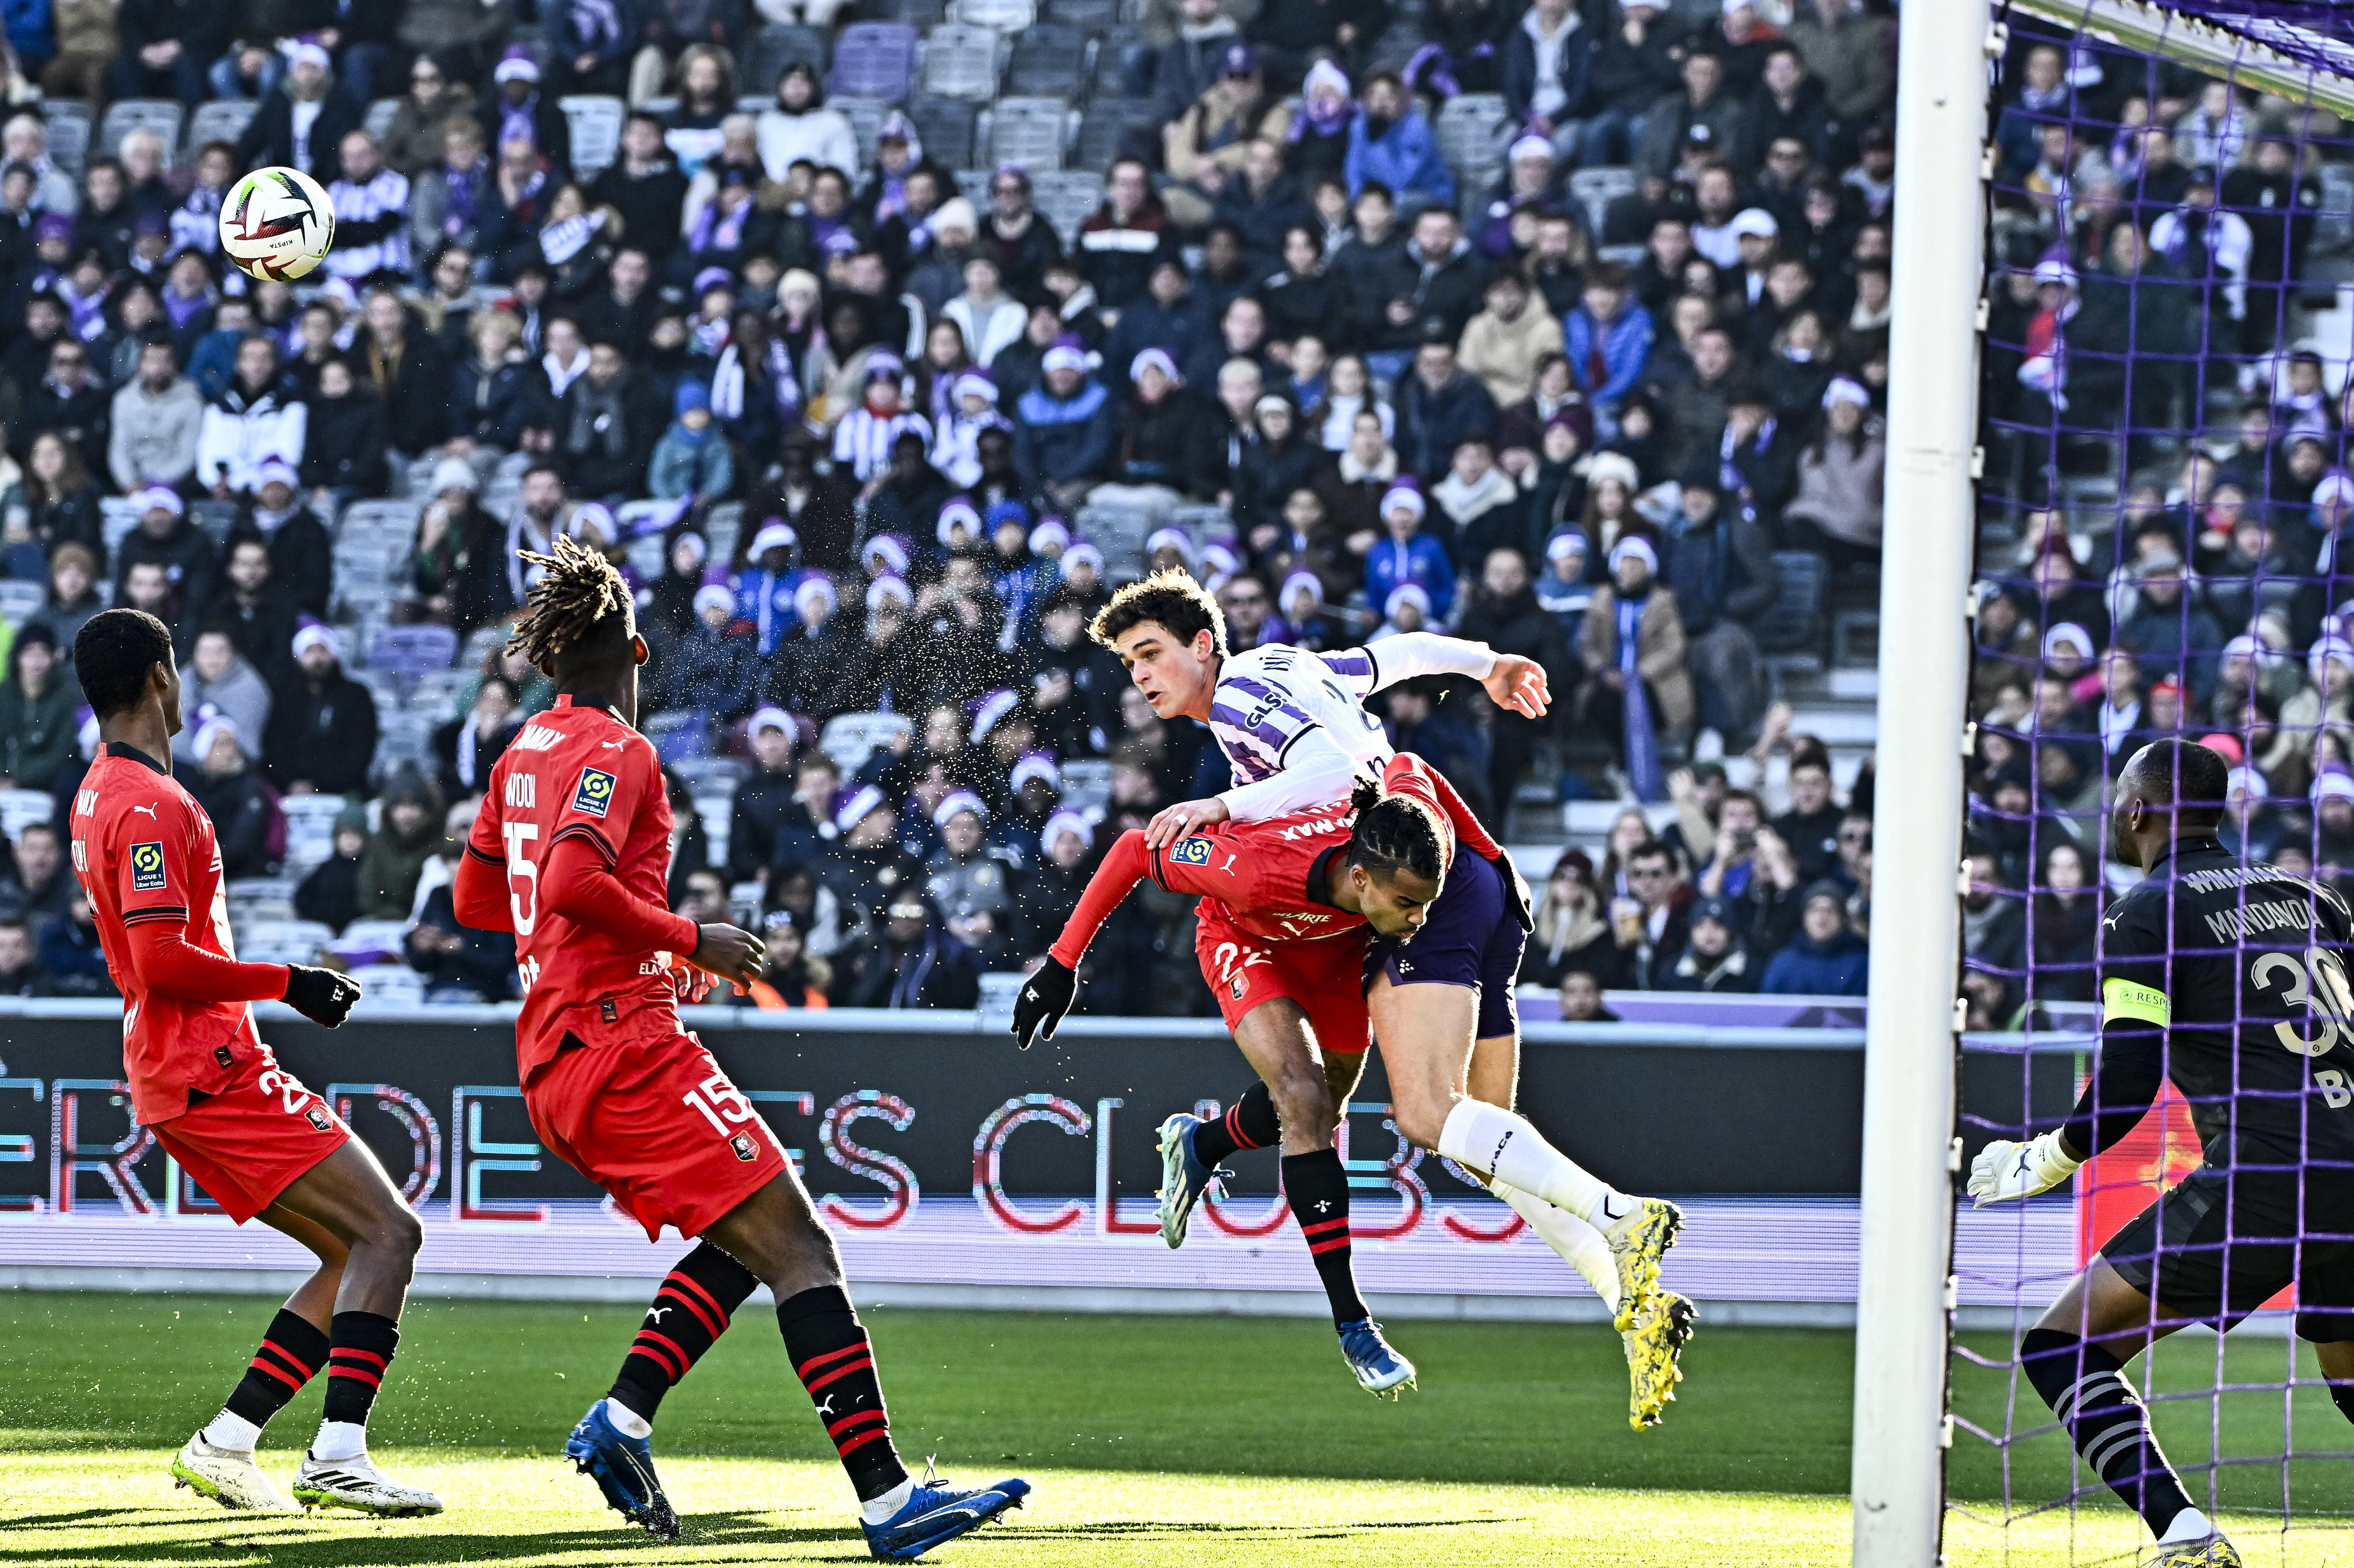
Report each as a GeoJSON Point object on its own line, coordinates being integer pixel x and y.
{"type": "Point", "coordinates": [2124, 1084]}
{"type": "Point", "coordinates": [1515, 682]}
{"type": "Point", "coordinates": [1047, 996]}
{"type": "Point", "coordinates": [168, 964]}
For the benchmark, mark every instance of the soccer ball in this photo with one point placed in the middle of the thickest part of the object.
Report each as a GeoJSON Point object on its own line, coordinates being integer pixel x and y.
{"type": "Point", "coordinates": [277, 223]}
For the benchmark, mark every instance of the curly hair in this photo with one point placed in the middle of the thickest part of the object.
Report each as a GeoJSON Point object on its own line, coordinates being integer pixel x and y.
{"type": "Point", "coordinates": [1172, 598]}
{"type": "Point", "coordinates": [578, 595]}
{"type": "Point", "coordinates": [1395, 834]}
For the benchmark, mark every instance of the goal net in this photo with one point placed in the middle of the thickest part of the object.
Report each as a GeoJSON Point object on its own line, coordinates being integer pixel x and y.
{"type": "Point", "coordinates": [2166, 547]}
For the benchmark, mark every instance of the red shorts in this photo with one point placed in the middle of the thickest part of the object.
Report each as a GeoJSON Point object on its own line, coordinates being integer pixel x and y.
{"type": "Point", "coordinates": [253, 1139]}
{"type": "Point", "coordinates": [1325, 978]}
{"type": "Point", "coordinates": [658, 1125]}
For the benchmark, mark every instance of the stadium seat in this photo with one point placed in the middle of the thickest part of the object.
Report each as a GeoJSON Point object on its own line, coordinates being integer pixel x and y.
{"type": "Point", "coordinates": [410, 652]}
{"type": "Point", "coordinates": [946, 125]}
{"type": "Point", "coordinates": [1471, 131]}
{"type": "Point", "coordinates": [961, 61]}
{"type": "Point", "coordinates": [1047, 59]}
{"type": "Point", "coordinates": [916, 14]}
{"type": "Point", "coordinates": [69, 126]}
{"type": "Point", "coordinates": [1030, 131]}
{"type": "Point", "coordinates": [1086, 785]}
{"type": "Point", "coordinates": [20, 600]}
{"type": "Point", "coordinates": [1093, 19]}
{"type": "Point", "coordinates": [116, 518]}
{"type": "Point", "coordinates": [851, 738]}
{"type": "Point", "coordinates": [19, 808]}
{"type": "Point", "coordinates": [873, 59]}
{"type": "Point", "coordinates": [773, 49]}
{"type": "Point", "coordinates": [221, 119]}
{"type": "Point", "coordinates": [283, 941]}
{"type": "Point", "coordinates": [999, 15]}
{"type": "Point", "coordinates": [160, 115]}
{"type": "Point", "coordinates": [1065, 199]}
{"type": "Point", "coordinates": [1107, 125]}
{"type": "Point", "coordinates": [1112, 47]}
{"type": "Point", "coordinates": [1598, 188]}
{"type": "Point", "coordinates": [594, 122]}
{"type": "Point", "coordinates": [388, 985]}
{"type": "Point", "coordinates": [866, 116]}
{"type": "Point", "coordinates": [1794, 623]}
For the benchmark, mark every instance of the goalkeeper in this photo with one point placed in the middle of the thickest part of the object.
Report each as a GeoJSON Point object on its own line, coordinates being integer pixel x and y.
{"type": "Point", "coordinates": [2226, 977]}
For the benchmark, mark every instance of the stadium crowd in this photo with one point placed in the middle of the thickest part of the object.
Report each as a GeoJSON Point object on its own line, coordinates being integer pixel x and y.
{"type": "Point", "coordinates": [1562, 326]}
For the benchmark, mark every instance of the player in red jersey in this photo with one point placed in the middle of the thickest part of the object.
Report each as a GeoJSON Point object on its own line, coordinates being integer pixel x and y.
{"type": "Point", "coordinates": [204, 1084]}
{"type": "Point", "coordinates": [571, 853]}
{"type": "Point", "coordinates": [1287, 906]}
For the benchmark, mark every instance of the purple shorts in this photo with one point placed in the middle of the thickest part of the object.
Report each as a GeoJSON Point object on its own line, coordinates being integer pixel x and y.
{"type": "Point", "coordinates": [1469, 939]}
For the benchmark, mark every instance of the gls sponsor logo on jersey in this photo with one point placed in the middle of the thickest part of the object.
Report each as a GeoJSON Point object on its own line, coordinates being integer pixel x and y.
{"type": "Point", "coordinates": [1192, 852]}
{"type": "Point", "coordinates": [146, 867]}
{"type": "Point", "coordinates": [595, 795]}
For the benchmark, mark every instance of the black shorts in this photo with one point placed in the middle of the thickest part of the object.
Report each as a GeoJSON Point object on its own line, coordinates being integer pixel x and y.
{"type": "Point", "coordinates": [1469, 939]}
{"type": "Point", "coordinates": [2216, 1246]}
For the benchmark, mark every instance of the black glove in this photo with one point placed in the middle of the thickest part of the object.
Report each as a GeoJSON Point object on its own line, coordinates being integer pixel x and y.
{"type": "Point", "coordinates": [1516, 892]}
{"type": "Point", "coordinates": [322, 996]}
{"type": "Point", "coordinates": [1045, 997]}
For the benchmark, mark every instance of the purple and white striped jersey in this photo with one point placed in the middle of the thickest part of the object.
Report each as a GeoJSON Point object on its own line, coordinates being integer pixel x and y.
{"type": "Point", "coordinates": [1293, 723]}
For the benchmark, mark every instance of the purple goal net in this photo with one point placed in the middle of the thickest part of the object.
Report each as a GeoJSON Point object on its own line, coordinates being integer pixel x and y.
{"type": "Point", "coordinates": [2165, 550]}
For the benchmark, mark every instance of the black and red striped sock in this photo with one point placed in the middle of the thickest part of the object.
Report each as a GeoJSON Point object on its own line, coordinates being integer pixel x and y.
{"type": "Point", "coordinates": [1316, 1187]}
{"type": "Point", "coordinates": [291, 1354]}
{"type": "Point", "coordinates": [358, 1356]}
{"type": "Point", "coordinates": [828, 1350]}
{"type": "Point", "coordinates": [688, 1313]}
{"type": "Point", "coordinates": [1249, 1123]}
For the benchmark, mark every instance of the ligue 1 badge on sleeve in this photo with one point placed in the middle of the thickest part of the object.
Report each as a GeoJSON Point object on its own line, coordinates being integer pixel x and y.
{"type": "Point", "coordinates": [595, 795]}
{"type": "Point", "coordinates": [146, 867]}
{"type": "Point", "coordinates": [1192, 852]}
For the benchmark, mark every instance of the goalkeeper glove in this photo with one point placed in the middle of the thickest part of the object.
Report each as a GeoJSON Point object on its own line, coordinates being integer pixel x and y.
{"type": "Point", "coordinates": [322, 996]}
{"type": "Point", "coordinates": [1045, 997]}
{"type": "Point", "coordinates": [2005, 1171]}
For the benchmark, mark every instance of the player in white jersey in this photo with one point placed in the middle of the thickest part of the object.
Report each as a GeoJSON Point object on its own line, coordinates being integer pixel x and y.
{"type": "Point", "coordinates": [1294, 727]}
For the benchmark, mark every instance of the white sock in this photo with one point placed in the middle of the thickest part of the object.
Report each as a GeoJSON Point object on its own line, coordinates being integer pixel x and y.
{"type": "Point", "coordinates": [1493, 1140]}
{"type": "Point", "coordinates": [1580, 1247]}
{"type": "Point", "coordinates": [340, 1440]}
{"type": "Point", "coordinates": [230, 1430]}
{"type": "Point", "coordinates": [627, 1422]}
{"type": "Point", "coordinates": [874, 1510]}
{"type": "Point", "coordinates": [2189, 1525]}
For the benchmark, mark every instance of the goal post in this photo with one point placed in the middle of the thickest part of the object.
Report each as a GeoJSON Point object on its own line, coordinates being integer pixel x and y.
{"type": "Point", "coordinates": [1938, 276]}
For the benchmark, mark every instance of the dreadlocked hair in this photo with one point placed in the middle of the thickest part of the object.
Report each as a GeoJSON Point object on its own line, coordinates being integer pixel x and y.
{"type": "Point", "coordinates": [579, 592]}
{"type": "Point", "coordinates": [1395, 834]}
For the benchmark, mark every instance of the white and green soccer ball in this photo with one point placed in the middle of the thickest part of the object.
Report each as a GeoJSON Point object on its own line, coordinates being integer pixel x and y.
{"type": "Point", "coordinates": [277, 223]}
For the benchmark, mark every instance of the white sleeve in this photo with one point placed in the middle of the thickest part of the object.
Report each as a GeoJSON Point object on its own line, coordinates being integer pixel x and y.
{"type": "Point", "coordinates": [1316, 772]}
{"type": "Point", "coordinates": [1413, 653]}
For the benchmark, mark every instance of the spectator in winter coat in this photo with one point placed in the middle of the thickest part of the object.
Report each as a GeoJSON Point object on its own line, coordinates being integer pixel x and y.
{"type": "Point", "coordinates": [691, 459]}
{"type": "Point", "coordinates": [1720, 566]}
{"type": "Point", "coordinates": [152, 431]}
{"type": "Point", "coordinates": [1836, 509]}
{"type": "Point", "coordinates": [410, 834]}
{"type": "Point", "coordinates": [1705, 109]}
{"type": "Point", "coordinates": [218, 680]}
{"type": "Point", "coordinates": [1122, 241]}
{"type": "Point", "coordinates": [1548, 62]}
{"type": "Point", "coordinates": [606, 427]}
{"type": "Point", "coordinates": [1503, 613]}
{"type": "Point", "coordinates": [1714, 960]}
{"type": "Point", "coordinates": [1407, 555]}
{"type": "Point", "coordinates": [1502, 344]}
{"type": "Point", "coordinates": [1634, 64]}
{"type": "Point", "coordinates": [1658, 658]}
{"type": "Point", "coordinates": [167, 47]}
{"type": "Point", "coordinates": [714, 666]}
{"type": "Point", "coordinates": [257, 611]}
{"type": "Point", "coordinates": [1063, 432]}
{"type": "Point", "coordinates": [302, 553]}
{"type": "Point", "coordinates": [908, 960]}
{"type": "Point", "coordinates": [243, 809]}
{"type": "Point", "coordinates": [1607, 341]}
{"type": "Point", "coordinates": [330, 895]}
{"type": "Point", "coordinates": [1437, 407]}
{"type": "Point", "coordinates": [311, 140]}
{"type": "Point", "coordinates": [1391, 142]}
{"type": "Point", "coordinates": [256, 417]}
{"type": "Point", "coordinates": [38, 724]}
{"type": "Point", "coordinates": [167, 536]}
{"type": "Point", "coordinates": [322, 728]}
{"type": "Point", "coordinates": [770, 825]}
{"type": "Point", "coordinates": [1824, 959]}
{"type": "Point", "coordinates": [345, 445]}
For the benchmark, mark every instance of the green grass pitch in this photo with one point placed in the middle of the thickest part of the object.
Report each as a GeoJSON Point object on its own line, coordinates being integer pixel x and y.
{"type": "Point", "coordinates": [1180, 1441]}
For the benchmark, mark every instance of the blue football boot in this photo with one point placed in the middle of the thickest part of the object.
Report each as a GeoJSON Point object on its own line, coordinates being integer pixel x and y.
{"type": "Point", "coordinates": [624, 1471]}
{"type": "Point", "coordinates": [938, 1512]}
{"type": "Point", "coordinates": [1379, 1369]}
{"type": "Point", "coordinates": [1184, 1177]}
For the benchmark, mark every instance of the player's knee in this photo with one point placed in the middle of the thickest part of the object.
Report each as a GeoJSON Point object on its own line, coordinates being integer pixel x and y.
{"type": "Point", "coordinates": [1303, 1100]}
{"type": "Point", "coordinates": [398, 1230]}
{"type": "Point", "coordinates": [1418, 1121]}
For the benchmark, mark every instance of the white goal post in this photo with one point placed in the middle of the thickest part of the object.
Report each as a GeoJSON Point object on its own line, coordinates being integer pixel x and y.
{"type": "Point", "coordinates": [1938, 278]}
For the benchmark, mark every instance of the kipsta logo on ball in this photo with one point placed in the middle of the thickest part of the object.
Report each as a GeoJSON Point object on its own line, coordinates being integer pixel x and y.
{"type": "Point", "coordinates": [277, 223]}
